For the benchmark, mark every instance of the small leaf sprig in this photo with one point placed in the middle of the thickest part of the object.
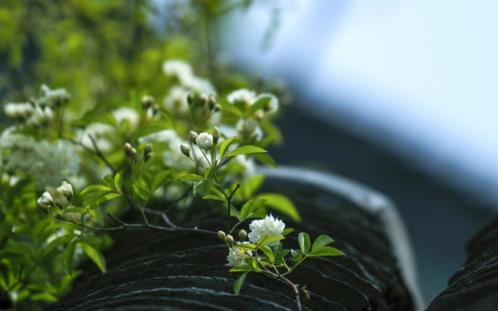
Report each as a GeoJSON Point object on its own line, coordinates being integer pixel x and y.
{"type": "Point", "coordinates": [265, 253]}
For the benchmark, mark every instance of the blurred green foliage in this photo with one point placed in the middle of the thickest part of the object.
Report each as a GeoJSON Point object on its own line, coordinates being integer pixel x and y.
{"type": "Point", "coordinates": [107, 54]}
{"type": "Point", "coordinates": [103, 50]}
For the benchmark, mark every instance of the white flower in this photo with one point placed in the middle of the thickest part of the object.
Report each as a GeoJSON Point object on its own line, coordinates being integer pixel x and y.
{"type": "Point", "coordinates": [227, 130]}
{"type": "Point", "coordinates": [237, 255]}
{"type": "Point", "coordinates": [249, 128]}
{"type": "Point", "coordinates": [272, 104]}
{"type": "Point", "coordinates": [53, 161]}
{"type": "Point", "coordinates": [204, 140]}
{"type": "Point", "coordinates": [48, 161]}
{"type": "Point", "coordinates": [45, 201]}
{"type": "Point", "coordinates": [51, 97]}
{"type": "Point", "coordinates": [176, 100]}
{"type": "Point", "coordinates": [164, 136]}
{"type": "Point", "coordinates": [18, 110]}
{"type": "Point", "coordinates": [98, 131]}
{"type": "Point", "coordinates": [177, 68]}
{"type": "Point", "coordinates": [66, 189]}
{"type": "Point", "coordinates": [198, 85]}
{"type": "Point", "coordinates": [40, 115]}
{"type": "Point", "coordinates": [242, 95]}
{"type": "Point", "coordinates": [266, 227]}
{"type": "Point", "coordinates": [128, 114]}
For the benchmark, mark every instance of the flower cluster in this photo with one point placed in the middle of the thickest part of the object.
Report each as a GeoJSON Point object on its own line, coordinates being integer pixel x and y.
{"type": "Point", "coordinates": [266, 227]}
{"type": "Point", "coordinates": [239, 252]}
{"type": "Point", "coordinates": [39, 111]}
{"type": "Point", "coordinates": [48, 162]}
{"type": "Point", "coordinates": [183, 72]}
{"type": "Point", "coordinates": [60, 197]}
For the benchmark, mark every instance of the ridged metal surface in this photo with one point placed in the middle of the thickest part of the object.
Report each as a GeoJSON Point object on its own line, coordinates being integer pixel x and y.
{"type": "Point", "coordinates": [151, 270]}
{"type": "Point", "coordinates": [475, 286]}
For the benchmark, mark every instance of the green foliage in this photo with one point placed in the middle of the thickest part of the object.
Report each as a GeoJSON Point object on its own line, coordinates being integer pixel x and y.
{"type": "Point", "coordinates": [72, 164]}
{"type": "Point", "coordinates": [239, 283]}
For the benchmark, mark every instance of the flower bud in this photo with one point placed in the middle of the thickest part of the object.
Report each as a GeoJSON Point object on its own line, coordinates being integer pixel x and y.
{"type": "Point", "coordinates": [147, 101]}
{"type": "Point", "coordinates": [216, 135]}
{"type": "Point", "coordinates": [211, 102]}
{"type": "Point", "coordinates": [66, 189]}
{"type": "Point", "coordinates": [204, 140]}
{"type": "Point", "coordinates": [129, 150]}
{"type": "Point", "coordinates": [229, 239]}
{"type": "Point", "coordinates": [192, 137]}
{"type": "Point", "coordinates": [185, 149]}
{"type": "Point", "coordinates": [242, 234]}
{"type": "Point", "coordinates": [147, 152]}
{"type": "Point", "coordinates": [221, 235]}
{"type": "Point", "coordinates": [259, 114]}
{"type": "Point", "coordinates": [190, 99]}
{"type": "Point", "coordinates": [45, 201]}
{"type": "Point", "coordinates": [204, 99]}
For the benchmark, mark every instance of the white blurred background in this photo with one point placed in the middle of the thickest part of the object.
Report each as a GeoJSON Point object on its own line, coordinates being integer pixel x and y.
{"type": "Point", "coordinates": [423, 72]}
{"type": "Point", "coordinates": [416, 76]}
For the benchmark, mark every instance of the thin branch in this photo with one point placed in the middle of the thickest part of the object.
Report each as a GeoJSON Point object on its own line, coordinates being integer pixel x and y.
{"type": "Point", "coordinates": [295, 287]}
{"type": "Point", "coordinates": [229, 204]}
{"type": "Point", "coordinates": [175, 227]}
{"type": "Point", "coordinates": [99, 153]}
{"type": "Point", "coordinates": [180, 198]}
{"type": "Point", "coordinates": [96, 151]}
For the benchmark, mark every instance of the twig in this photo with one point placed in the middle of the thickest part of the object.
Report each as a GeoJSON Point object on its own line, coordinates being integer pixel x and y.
{"type": "Point", "coordinates": [180, 198]}
{"type": "Point", "coordinates": [100, 154]}
{"type": "Point", "coordinates": [174, 226]}
{"type": "Point", "coordinates": [96, 151]}
{"type": "Point", "coordinates": [229, 204]}
{"type": "Point", "coordinates": [295, 287]}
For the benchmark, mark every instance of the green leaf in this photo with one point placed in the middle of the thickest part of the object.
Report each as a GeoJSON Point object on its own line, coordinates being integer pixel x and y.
{"type": "Point", "coordinates": [225, 144]}
{"type": "Point", "coordinates": [281, 204]}
{"type": "Point", "coordinates": [101, 199]}
{"type": "Point", "coordinates": [326, 251]}
{"type": "Point", "coordinates": [213, 197]}
{"type": "Point", "coordinates": [239, 283]}
{"type": "Point", "coordinates": [261, 103]}
{"type": "Point", "coordinates": [141, 190]}
{"type": "Point", "coordinates": [68, 256]}
{"type": "Point", "coordinates": [252, 209]}
{"type": "Point", "coordinates": [245, 246]}
{"type": "Point", "coordinates": [251, 185]}
{"type": "Point", "coordinates": [248, 149]}
{"type": "Point", "coordinates": [287, 231]}
{"type": "Point", "coordinates": [159, 179]}
{"type": "Point", "coordinates": [94, 255]}
{"type": "Point", "coordinates": [268, 252]}
{"type": "Point", "coordinates": [44, 297]}
{"type": "Point", "coordinates": [269, 240]}
{"type": "Point", "coordinates": [265, 159]}
{"type": "Point", "coordinates": [321, 241]}
{"type": "Point", "coordinates": [255, 265]}
{"type": "Point", "coordinates": [296, 254]}
{"type": "Point", "coordinates": [190, 177]}
{"type": "Point", "coordinates": [304, 242]}
{"type": "Point", "coordinates": [56, 243]}
{"type": "Point", "coordinates": [96, 189]}
{"type": "Point", "coordinates": [118, 181]}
